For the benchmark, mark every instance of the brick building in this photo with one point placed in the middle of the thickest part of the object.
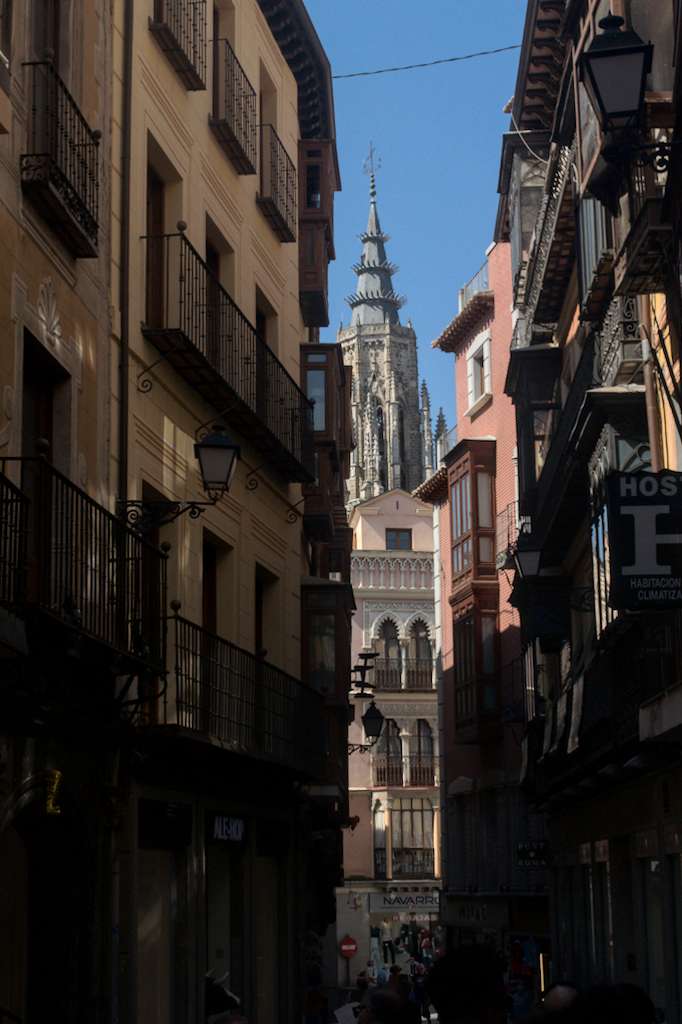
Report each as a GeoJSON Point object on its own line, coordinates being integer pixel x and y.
{"type": "Point", "coordinates": [490, 894]}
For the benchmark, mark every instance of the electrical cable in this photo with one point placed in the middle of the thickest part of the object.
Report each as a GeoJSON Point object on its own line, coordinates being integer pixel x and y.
{"type": "Point", "coordinates": [429, 63]}
{"type": "Point", "coordinates": [536, 156]}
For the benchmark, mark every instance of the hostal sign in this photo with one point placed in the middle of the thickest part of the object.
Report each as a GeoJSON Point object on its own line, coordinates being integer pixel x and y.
{"type": "Point", "coordinates": [645, 540]}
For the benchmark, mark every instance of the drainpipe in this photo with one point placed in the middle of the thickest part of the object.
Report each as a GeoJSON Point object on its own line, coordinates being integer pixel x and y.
{"type": "Point", "coordinates": [123, 847]}
{"type": "Point", "coordinates": [124, 256]}
{"type": "Point", "coordinates": [650, 397]}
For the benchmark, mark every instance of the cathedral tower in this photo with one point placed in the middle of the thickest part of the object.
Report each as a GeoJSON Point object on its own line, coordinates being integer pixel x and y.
{"type": "Point", "coordinates": [393, 438]}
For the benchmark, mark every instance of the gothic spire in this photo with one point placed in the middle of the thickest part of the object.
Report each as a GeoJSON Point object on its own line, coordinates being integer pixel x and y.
{"type": "Point", "coordinates": [374, 301]}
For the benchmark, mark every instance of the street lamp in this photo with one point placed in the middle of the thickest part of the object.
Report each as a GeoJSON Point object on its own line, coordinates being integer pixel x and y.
{"type": "Point", "coordinates": [614, 69]}
{"type": "Point", "coordinates": [217, 455]}
{"type": "Point", "coordinates": [527, 562]}
{"type": "Point", "coordinates": [373, 722]}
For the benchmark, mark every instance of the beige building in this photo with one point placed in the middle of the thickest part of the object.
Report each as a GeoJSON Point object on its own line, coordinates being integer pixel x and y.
{"type": "Point", "coordinates": [392, 852]}
{"type": "Point", "coordinates": [178, 778]}
{"type": "Point", "coordinates": [58, 642]}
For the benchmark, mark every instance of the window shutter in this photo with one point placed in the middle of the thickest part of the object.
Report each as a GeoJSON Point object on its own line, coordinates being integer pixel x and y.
{"type": "Point", "coordinates": [470, 382]}
{"type": "Point", "coordinates": [487, 379]}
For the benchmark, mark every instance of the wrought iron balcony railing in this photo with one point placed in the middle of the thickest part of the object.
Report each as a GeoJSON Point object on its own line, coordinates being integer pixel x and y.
{"type": "Point", "coordinates": [234, 109]}
{"type": "Point", "coordinates": [388, 770]}
{"type": "Point", "coordinates": [406, 770]}
{"type": "Point", "coordinates": [406, 863]}
{"type": "Point", "coordinates": [60, 168]}
{"type": "Point", "coordinates": [201, 332]}
{"type": "Point", "coordinates": [226, 694]}
{"type": "Point", "coordinates": [387, 674]}
{"type": "Point", "coordinates": [509, 527]}
{"type": "Point", "coordinates": [278, 185]}
{"type": "Point", "coordinates": [84, 566]}
{"type": "Point", "coordinates": [643, 263]}
{"type": "Point", "coordinates": [13, 521]}
{"type": "Point", "coordinates": [413, 863]}
{"type": "Point", "coordinates": [419, 674]}
{"type": "Point", "coordinates": [180, 29]}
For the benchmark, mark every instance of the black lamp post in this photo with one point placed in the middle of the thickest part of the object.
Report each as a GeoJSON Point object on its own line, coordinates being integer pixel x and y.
{"type": "Point", "coordinates": [373, 722]}
{"type": "Point", "coordinates": [614, 69]}
{"type": "Point", "coordinates": [217, 455]}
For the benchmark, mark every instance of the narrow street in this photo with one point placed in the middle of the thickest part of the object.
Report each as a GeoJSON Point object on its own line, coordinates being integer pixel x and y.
{"type": "Point", "coordinates": [340, 598]}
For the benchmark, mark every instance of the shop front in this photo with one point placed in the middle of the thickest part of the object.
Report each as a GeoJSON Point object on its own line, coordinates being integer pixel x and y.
{"type": "Point", "coordinates": [516, 926]}
{"type": "Point", "coordinates": [213, 905]}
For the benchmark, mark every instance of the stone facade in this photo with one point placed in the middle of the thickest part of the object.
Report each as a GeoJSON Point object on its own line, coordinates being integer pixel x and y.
{"type": "Point", "coordinates": [391, 426]}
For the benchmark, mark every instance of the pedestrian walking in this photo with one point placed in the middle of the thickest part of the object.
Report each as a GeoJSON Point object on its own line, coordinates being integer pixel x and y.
{"type": "Point", "coordinates": [387, 941]}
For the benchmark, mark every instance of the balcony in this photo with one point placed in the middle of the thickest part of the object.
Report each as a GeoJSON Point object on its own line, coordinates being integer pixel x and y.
{"type": "Point", "coordinates": [278, 185]}
{"type": "Point", "coordinates": [619, 344]}
{"type": "Point", "coordinates": [642, 265]}
{"type": "Point", "coordinates": [227, 697]}
{"type": "Point", "coordinates": [14, 507]}
{"type": "Point", "coordinates": [60, 169]}
{"type": "Point", "coordinates": [407, 770]}
{"type": "Point", "coordinates": [179, 27]}
{"type": "Point", "coordinates": [84, 568]}
{"type": "Point", "coordinates": [413, 863]}
{"type": "Point", "coordinates": [234, 109]}
{"type": "Point", "coordinates": [388, 570]}
{"type": "Point", "coordinates": [478, 284]}
{"type": "Point", "coordinates": [406, 863]}
{"type": "Point", "coordinates": [203, 334]}
{"type": "Point", "coordinates": [509, 527]}
{"type": "Point", "coordinates": [387, 674]}
{"type": "Point", "coordinates": [419, 674]}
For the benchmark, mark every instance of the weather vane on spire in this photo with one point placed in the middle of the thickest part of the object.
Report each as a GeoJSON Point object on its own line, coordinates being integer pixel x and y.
{"type": "Point", "coordinates": [371, 165]}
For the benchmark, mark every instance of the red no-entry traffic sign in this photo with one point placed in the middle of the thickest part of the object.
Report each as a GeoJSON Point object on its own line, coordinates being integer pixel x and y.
{"type": "Point", "coordinates": [348, 947]}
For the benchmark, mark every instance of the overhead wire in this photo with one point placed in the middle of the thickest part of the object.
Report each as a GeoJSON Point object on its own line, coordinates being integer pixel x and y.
{"type": "Point", "coordinates": [429, 63]}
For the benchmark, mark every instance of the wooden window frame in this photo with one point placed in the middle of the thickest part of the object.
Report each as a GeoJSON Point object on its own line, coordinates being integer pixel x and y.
{"type": "Point", "coordinates": [398, 530]}
{"type": "Point", "coordinates": [467, 533]}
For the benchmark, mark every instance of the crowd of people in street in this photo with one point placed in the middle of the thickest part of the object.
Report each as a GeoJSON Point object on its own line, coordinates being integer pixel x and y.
{"type": "Point", "coordinates": [467, 986]}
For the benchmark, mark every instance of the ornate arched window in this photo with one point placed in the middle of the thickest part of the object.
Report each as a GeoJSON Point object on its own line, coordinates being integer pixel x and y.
{"type": "Point", "coordinates": [388, 760]}
{"type": "Point", "coordinates": [421, 759]}
{"type": "Point", "coordinates": [387, 665]}
{"type": "Point", "coordinates": [419, 668]}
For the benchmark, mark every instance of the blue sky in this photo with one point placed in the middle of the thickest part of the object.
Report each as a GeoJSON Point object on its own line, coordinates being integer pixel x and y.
{"type": "Point", "coordinates": [438, 133]}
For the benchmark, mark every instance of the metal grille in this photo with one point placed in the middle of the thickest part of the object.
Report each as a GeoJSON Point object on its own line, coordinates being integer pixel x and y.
{"type": "Point", "coordinates": [413, 863]}
{"type": "Point", "coordinates": [13, 517]}
{"type": "Point", "coordinates": [388, 770]}
{"type": "Point", "coordinates": [185, 298]}
{"type": "Point", "coordinates": [180, 27]}
{"type": "Point", "coordinates": [62, 149]}
{"type": "Point", "coordinates": [419, 674]}
{"type": "Point", "coordinates": [87, 568]}
{"type": "Point", "coordinates": [234, 109]}
{"type": "Point", "coordinates": [387, 673]}
{"type": "Point", "coordinates": [226, 693]}
{"type": "Point", "coordinates": [278, 184]}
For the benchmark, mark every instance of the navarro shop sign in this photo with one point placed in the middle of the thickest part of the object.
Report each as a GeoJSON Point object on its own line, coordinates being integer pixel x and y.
{"type": "Point", "coordinates": [645, 540]}
{"type": "Point", "coordinates": [409, 901]}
